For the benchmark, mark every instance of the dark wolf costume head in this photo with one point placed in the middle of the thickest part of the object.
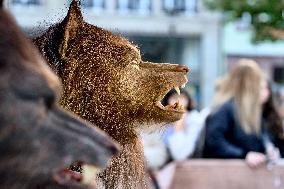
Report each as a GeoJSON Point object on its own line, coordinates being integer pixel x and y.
{"type": "Point", "coordinates": [106, 82]}
{"type": "Point", "coordinates": [38, 140]}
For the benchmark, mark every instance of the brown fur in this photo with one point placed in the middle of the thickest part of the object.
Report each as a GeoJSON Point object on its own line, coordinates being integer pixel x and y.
{"type": "Point", "coordinates": [37, 138]}
{"type": "Point", "coordinates": [106, 82]}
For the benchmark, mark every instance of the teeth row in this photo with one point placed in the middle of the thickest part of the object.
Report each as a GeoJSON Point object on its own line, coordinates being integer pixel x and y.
{"type": "Point", "coordinates": [183, 86]}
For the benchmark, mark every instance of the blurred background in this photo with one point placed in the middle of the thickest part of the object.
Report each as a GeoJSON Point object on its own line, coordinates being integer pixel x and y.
{"type": "Point", "coordinates": [205, 35]}
{"type": "Point", "coordinates": [176, 31]}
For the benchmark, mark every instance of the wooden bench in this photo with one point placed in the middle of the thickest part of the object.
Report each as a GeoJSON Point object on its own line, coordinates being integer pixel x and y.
{"type": "Point", "coordinates": [220, 174]}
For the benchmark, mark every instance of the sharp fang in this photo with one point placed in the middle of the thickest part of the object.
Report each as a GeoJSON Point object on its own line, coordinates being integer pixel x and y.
{"type": "Point", "coordinates": [177, 90]}
{"type": "Point", "coordinates": [183, 86]}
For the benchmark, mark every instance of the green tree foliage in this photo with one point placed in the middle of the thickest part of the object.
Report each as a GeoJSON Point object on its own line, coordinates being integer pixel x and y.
{"type": "Point", "coordinates": [266, 16]}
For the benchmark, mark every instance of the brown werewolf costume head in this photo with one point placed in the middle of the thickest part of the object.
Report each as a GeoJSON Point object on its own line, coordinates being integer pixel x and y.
{"type": "Point", "coordinates": [106, 82]}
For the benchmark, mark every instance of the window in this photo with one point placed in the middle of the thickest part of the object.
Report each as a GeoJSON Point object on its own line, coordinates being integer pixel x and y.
{"type": "Point", "coordinates": [140, 6]}
{"type": "Point", "coordinates": [26, 2]}
{"type": "Point", "coordinates": [123, 6]}
{"type": "Point", "coordinates": [278, 75]}
{"type": "Point", "coordinates": [179, 6]}
{"type": "Point", "coordinates": [144, 6]}
{"type": "Point", "coordinates": [174, 6]}
{"type": "Point", "coordinates": [190, 6]}
{"type": "Point", "coordinates": [95, 4]}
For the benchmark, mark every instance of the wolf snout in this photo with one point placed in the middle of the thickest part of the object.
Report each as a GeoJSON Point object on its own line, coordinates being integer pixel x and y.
{"type": "Point", "coordinates": [83, 140]}
{"type": "Point", "coordinates": [97, 137]}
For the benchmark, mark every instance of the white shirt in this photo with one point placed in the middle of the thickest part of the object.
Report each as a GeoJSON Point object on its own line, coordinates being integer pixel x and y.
{"type": "Point", "coordinates": [182, 144]}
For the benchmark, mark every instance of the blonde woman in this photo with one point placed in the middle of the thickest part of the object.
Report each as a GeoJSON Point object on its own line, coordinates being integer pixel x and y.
{"type": "Point", "coordinates": [234, 128]}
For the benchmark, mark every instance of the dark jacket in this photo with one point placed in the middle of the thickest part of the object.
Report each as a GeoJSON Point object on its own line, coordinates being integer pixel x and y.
{"type": "Point", "coordinates": [224, 138]}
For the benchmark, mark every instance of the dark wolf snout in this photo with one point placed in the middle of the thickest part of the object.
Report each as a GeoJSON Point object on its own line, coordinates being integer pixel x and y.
{"type": "Point", "coordinates": [83, 141]}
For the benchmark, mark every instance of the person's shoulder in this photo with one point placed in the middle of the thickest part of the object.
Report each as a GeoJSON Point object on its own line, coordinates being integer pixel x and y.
{"type": "Point", "coordinates": [226, 107]}
{"type": "Point", "coordinates": [221, 117]}
{"type": "Point", "coordinates": [229, 105]}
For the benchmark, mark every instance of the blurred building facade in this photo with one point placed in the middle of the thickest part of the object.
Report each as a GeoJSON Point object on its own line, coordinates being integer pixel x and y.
{"type": "Point", "coordinates": [173, 31]}
{"type": "Point", "coordinates": [270, 55]}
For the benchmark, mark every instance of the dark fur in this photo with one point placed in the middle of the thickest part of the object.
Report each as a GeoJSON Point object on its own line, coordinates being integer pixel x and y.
{"type": "Point", "coordinates": [37, 138]}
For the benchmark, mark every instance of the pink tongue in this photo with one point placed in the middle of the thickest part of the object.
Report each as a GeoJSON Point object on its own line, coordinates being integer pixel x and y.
{"type": "Point", "coordinates": [67, 175]}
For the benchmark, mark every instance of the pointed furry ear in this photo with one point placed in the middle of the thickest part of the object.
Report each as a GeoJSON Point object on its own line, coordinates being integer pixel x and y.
{"type": "Point", "coordinates": [71, 23]}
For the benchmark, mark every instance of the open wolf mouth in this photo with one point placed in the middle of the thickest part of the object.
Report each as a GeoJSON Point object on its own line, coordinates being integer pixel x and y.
{"type": "Point", "coordinates": [176, 107]}
{"type": "Point", "coordinates": [77, 173]}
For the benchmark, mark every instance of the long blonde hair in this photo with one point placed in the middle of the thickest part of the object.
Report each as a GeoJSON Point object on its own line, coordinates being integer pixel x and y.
{"type": "Point", "coordinates": [242, 85]}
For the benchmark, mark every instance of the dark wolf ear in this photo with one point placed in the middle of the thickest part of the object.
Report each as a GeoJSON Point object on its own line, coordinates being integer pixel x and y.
{"type": "Point", "coordinates": [71, 23]}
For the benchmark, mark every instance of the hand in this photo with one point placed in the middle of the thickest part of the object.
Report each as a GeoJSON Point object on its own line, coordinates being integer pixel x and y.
{"type": "Point", "coordinates": [255, 159]}
{"type": "Point", "coordinates": [273, 154]}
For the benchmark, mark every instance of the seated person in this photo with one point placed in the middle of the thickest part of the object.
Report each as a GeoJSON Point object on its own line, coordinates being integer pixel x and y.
{"type": "Point", "coordinates": [239, 126]}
